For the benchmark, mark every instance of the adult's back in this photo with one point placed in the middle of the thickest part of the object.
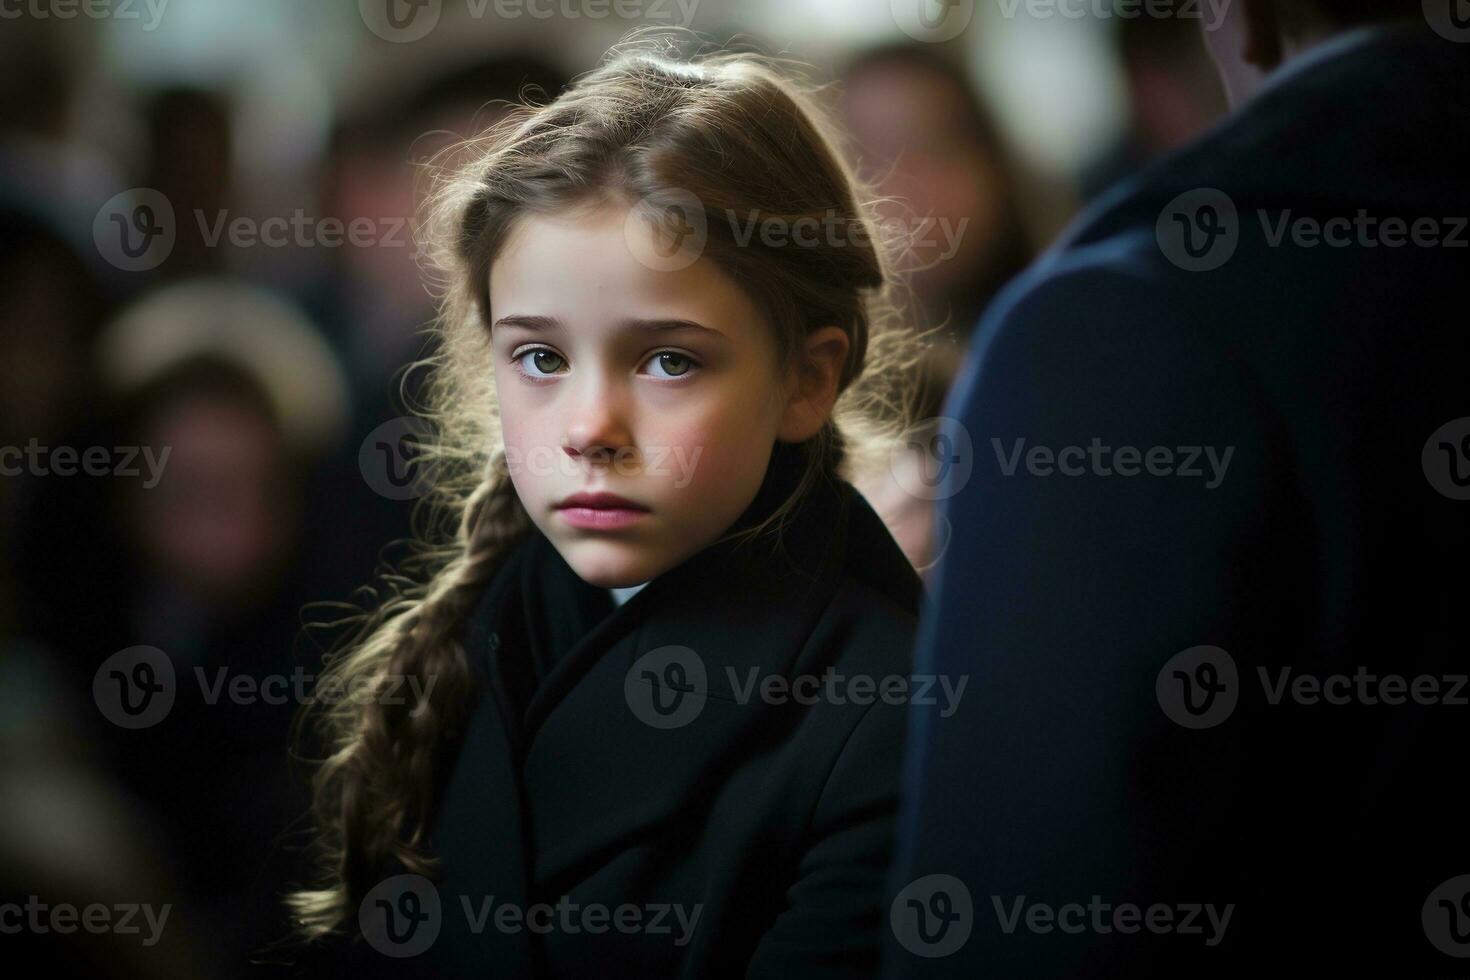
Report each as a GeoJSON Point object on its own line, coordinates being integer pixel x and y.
{"type": "Point", "coordinates": [1182, 654]}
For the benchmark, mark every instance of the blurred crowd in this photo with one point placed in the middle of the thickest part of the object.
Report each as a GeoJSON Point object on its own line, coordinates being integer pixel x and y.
{"type": "Point", "coordinates": [186, 444]}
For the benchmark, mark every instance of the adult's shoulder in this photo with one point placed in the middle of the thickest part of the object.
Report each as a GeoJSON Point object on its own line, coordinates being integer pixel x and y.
{"type": "Point", "coordinates": [1103, 322]}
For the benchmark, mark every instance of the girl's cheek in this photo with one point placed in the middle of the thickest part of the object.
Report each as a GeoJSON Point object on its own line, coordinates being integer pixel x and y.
{"type": "Point", "coordinates": [719, 454]}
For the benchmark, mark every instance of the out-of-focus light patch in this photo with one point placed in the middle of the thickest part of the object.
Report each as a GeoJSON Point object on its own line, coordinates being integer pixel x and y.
{"type": "Point", "coordinates": [1053, 80]}
{"type": "Point", "coordinates": [275, 58]}
{"type": "Point", "coordinates": [284, 122]}
{"type": "Point", "coordinates": [813, 23]}
{"type": "Point", "coordinates": [1054, 83]}
{"type": "Point", "coordinates": [198, 40]}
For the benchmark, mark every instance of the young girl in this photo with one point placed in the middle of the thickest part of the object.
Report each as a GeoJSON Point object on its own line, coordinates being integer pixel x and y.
{"type": "Point", "coordinates": [645, 718]}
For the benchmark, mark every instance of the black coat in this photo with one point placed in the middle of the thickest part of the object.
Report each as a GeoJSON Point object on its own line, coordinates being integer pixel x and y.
{"type": "Point", "coordinates": [611, 762]}
{"type": "Point", "coordinates": [1333, 543]}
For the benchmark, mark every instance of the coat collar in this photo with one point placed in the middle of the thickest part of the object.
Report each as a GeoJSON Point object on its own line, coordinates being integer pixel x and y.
{"type": "Point", "coordinates": [539, 620]}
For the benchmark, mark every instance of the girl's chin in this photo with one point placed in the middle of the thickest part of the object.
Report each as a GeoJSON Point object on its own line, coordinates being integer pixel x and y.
{"type": "Point", "coordinates": [612, 564]}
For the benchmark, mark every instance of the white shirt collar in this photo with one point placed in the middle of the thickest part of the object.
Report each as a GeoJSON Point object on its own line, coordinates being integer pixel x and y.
{"type": "Point", "coordinates": [621, 596]}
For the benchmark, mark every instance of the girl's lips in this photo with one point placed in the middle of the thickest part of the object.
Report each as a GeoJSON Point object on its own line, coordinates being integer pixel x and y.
{"type": "Point", "coordinates": [601, 518]}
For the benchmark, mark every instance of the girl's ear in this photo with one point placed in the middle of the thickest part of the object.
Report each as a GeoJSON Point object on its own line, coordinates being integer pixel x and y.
{"type": "Point", "coordinates": [813, 384]}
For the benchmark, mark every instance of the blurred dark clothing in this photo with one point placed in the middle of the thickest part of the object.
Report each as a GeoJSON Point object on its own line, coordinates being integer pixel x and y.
{"type": "Point", "coordinates": [213, 776]}
{"type": "Point", "coordinates": [1174, 94]}
{"type": "Point", "coordinates": [1324, 549]}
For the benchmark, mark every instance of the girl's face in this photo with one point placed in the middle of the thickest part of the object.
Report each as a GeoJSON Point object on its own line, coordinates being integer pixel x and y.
{"type": "Point", "coordinates": [658, 387]}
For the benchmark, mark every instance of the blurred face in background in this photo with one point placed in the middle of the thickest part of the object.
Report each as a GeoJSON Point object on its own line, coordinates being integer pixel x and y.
{"type": "Point", "coordinates": [915, 134]}
{"type": "Point", "coordinates": [220, 521]}
{"type": "Point", "coordinates": [658, 386]}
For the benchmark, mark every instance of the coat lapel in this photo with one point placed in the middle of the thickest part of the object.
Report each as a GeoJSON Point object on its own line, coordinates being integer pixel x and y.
{"type": "Point", "coordinates": [746, 594]}
{"type": "Point", "coordinates": [659, 702]}
{"type": "Point", "coordinates": [480, 830]}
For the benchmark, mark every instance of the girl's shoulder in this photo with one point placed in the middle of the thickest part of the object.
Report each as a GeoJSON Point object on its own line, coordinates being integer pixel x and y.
{"type": "Point", "coordinates": [878, 596]}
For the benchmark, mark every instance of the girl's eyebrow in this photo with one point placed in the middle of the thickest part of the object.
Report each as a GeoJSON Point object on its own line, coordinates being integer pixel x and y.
{"type": "Point", "coordinates": [543, 323]}
{"type": "Point", "coordinates": [529, 322]}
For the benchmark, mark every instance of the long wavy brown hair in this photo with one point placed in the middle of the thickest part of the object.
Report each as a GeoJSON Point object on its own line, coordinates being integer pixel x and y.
{"type": "Point", "coordinates": [743, 135]}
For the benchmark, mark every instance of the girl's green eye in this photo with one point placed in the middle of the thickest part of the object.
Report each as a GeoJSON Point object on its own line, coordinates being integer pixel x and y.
{"type": "Point", "coordinates": [543, 362]}
{"type": "Point", "coordinates": [673, 364]}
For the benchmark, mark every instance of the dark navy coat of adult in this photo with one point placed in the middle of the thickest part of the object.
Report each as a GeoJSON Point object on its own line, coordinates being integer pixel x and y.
{"type": "Point", "coordinates": [1193, 744]}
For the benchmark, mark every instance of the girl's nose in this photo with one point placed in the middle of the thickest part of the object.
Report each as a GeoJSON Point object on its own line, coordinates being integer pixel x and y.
{"type": "Point", "coordinates": [598, 430]}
